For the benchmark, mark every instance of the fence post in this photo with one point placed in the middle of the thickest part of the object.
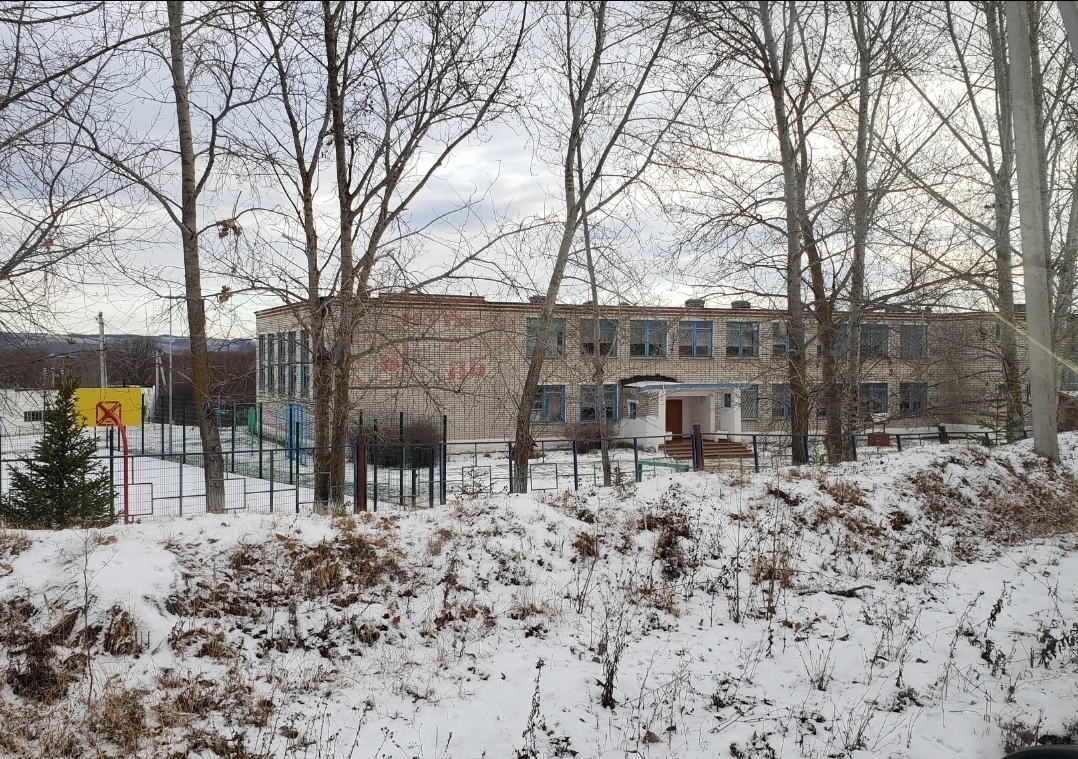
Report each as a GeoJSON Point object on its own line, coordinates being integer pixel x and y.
{"type": "Point", "coordinates": [1025, 434]}
{"type": "Point", "coordinates": [755, 456]}
{"type": "Point", "coordinates": [179, 463]}
{"type": "Point", "coordinates": [374, 458]}
{"type": "Point", "coordinates": [295, 457]}
{"type": "Point", "coordinates": [943, 433]}
{"type": "Point", "coordinates": [898, 442]}
{"type": "Point", "coordinates": [430, 478]}
{"type": "Point", "coordinates": [271, 479]}
{"type": "Point", "coordinates": [259, 426]}
{"type": "Point", "coordinates": [233, 443]}
{"type": "Point", "coordinates": [355, 475]}
{"type": "Point", "coordinates": [442, 459]}
{"type": "Point", "coordinates": [636, 460]}
{"type": "Point", "coordinates": [697, 448]}
{"type": "Point", "coordinates": [510, 467]}
{"type": "Point", "coordinates": [805, 447]}
{"type": "Point", "coordinates": [183, 432]}
{"type": "Point", "coordinates": [576, 471]}
{"type": "Point", "coordinates": [853, 446]}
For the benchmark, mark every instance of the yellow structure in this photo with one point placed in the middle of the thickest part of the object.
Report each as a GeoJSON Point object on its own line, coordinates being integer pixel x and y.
{"type": "Point", "coordinates": [129, 398]}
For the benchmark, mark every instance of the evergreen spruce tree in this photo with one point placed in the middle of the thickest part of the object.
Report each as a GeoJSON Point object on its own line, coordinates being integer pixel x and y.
{"type": "Point", "coordinates": [63, 486]}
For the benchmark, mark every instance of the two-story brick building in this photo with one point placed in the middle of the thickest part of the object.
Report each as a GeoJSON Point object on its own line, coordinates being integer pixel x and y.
{"type": "Point", "coordinates": [665, 368]}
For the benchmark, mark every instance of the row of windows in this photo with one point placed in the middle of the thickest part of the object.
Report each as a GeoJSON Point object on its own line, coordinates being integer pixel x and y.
{"type": "Point", "coordinates": [648, 338]}
{"type": "Point", "coordinates": [874, 398]}
{"type": "Point", "coordinates": [284, 363]}
{"type": "Point", "coordinates": [549, 407]}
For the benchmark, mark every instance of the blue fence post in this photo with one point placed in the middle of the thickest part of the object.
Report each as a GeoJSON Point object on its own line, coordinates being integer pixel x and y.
{"type": "Point", "coordinates": [636, 459]}
{"type": "Point", "coordinates": [805, 446]}
{"type": "Point", "coordinates": [271, 481]}
{"type": "Point", "coordinates": [898, 442]}
{"type": "Point", "coordinates": [853, 446]}
{"type": "Point", "coordinates": [374, 458]}
{"type": "Point", "coordinates": [943, 433]}
{"type": "Point", "coordinates": [697, 448]}
{"type": "Point", "coordinates": [1025, 433]}
{"type": "Point", "coordinates": [576, 470]}
{"type": "Point", "coordinates": [755, 456]}
{"type": "Point", "coordinates": [510, 467]}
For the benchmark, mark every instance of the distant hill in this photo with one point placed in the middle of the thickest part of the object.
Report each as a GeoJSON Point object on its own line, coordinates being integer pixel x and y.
{"type": "Point", "coordinates": [59, 345]}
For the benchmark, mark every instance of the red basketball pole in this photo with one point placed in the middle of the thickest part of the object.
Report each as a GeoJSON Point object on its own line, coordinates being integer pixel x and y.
{"type": "Point", "coordinates": [110, 411]}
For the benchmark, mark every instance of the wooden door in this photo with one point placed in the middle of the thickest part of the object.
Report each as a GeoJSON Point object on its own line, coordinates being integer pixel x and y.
{"type": "Point", "coordinates": [673, 416]}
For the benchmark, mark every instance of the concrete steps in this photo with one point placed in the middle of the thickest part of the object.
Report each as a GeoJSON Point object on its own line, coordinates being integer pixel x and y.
{"type": "Point", "coordinates": [681, 448]}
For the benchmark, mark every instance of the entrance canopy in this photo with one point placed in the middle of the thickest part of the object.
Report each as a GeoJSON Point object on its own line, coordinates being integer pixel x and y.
{"type": "Point", "coordinates": [649, 386]}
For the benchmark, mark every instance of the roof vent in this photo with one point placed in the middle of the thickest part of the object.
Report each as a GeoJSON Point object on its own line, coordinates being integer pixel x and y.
{"type": "Point", "coordinates": [695, 303]}
{"type": "Point", "coordinates": [740, 304]}
{"type": "Point", "coordinates": [537, 300]}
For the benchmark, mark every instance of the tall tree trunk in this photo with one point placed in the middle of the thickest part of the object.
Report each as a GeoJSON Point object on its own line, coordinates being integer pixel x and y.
{"type": "Point", "coordinates": [598, 366]}
{"type": "Point", "coordinates": [212, 458]}
{"type": "Point", "coordinates": [1034, 260]}
{"type": "Point", "coordinates": [795, 319]}
{"type": "Point", "coordinates": [829, 370]}
{"type": "Point", "coordinates": [344, 319]}
{"type": "Point", "coordinates": [1003, 191]}
{"type": "Point", "coordinates": [861, 221]}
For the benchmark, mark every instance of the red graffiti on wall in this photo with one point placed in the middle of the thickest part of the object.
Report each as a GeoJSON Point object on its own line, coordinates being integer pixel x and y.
{"type": "Point", "coordinates": [460, 370]}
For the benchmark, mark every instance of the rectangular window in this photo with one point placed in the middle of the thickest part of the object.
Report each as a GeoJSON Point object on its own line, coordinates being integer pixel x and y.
{"type": "Point", "coordinates": [750, 403]}
{"type": "Point", "coordinates": [913, 397]}
{"type": "Point", "coordinates": [589, 403]}
{"type": "Point", "coordinates": [630, 409]}
{"type": "Point", "coordinates": [556, 347]}
{"type": "Point", "coordinates": [842, 340]}
{"type": "Point", "coordinates": [780, 401]}
{"type": "Point", "coordinates": [282, 363]}
{"type": "Point", "coordinates": [292, 363]}
{"type": "Point", "coordinates": [743, 339]}
{"type": "Point", "coordinates": [304, 364]}
{"type": "Point", "coordinates": [270, 357]}
{"type": "Point", "coordinates": [874, 399]}
{"type": "Point", "coordinates": [647, 338]}
{"type": "Point", "coordinates": [780, 338]}
{"type": "Point", "coordinates": [695, 339]}
{"type": "Point", "coordinates": [608, 337]}
{"type": "Point", "coordinates": [875, 341]}
{"type": "Point", "coordinates": [261, 363]}
{"type": "Point", "coordinates": [33, 416]}
{"type": "Point", "coordinates": [549, 406]}
{"type": "Point", "coordinates": [913, 340]}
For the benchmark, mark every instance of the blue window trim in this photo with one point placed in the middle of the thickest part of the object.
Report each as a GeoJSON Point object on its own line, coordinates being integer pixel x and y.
{"type": "Point", "coordinates": [304, 364]}
{"type": "Point", "coordinates": [742, 348]}
{"type": "Point", "coordinates": [261, 362]}
{"type": "Point", "coordinates": [870, 392]}
{"type": "Point", "coordinates": [696, 328]}
{"type": "Point", "coordinates": [906, 397]}
{"type": "Point", "coordinates": [610, 399]}
{"type": "Point", "coordinates": [650, 328]}
{"type": "Point", "coordinates": [544, 405]}
{"type": "Point", "coordinates": [610, 324]}
{"type": "Point", "coordinates": [557, 333]}
{"type": "Point", "coordinates": [906, 347]}
{"type": "Point", "coordinates": [780, 343]}
{"type": "Point", "coordinates": [875, 340]}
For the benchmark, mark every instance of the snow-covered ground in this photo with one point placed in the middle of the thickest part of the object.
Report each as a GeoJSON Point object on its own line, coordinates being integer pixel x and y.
{"type": "Point", "coordinates": [919, 605]}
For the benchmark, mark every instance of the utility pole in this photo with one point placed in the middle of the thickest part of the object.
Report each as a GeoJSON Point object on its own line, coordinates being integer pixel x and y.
{"type": "Point", "coordinates": [101, 346]}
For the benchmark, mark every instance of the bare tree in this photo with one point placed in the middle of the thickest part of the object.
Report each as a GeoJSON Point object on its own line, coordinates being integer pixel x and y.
{"type": "Point", "coordinates": [1032, 209]}
{"type": "Point", "coordinates": [609, 101]}
{"type": "Point", "coordinates": [211, 80]}
{"type": "Point", "coordinates": [377, 100]}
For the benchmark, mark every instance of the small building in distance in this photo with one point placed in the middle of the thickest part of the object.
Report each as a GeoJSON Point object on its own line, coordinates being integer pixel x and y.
{"type": "Point", "coordinates": [665, 368]}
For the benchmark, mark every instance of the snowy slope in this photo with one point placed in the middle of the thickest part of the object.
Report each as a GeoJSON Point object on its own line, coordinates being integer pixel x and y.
{"type": "Point", "coordinates": [923, 605]}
